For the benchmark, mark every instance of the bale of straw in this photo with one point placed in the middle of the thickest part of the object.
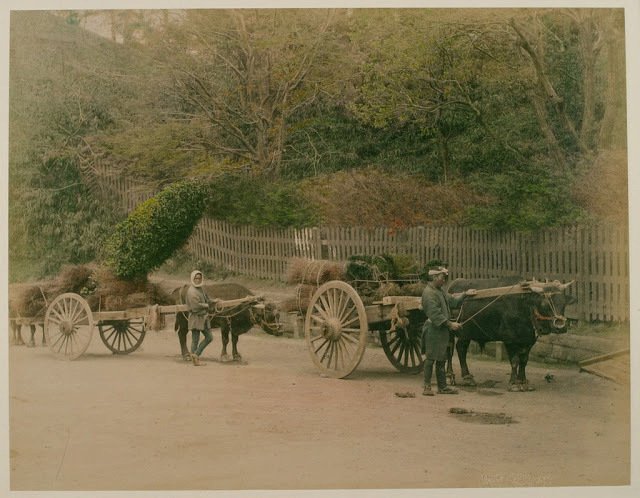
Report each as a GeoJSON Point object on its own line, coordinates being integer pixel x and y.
{"type": "Point", "coordinates": [300, 302]}
{"type": "Point", "coordinates": [102, 290]}
{"type": "Point", "coordinates": [386, 289]}
{"type": "Point", "coordinates": [157, 294]}
{"type": "Point", "coordinates": [74, 278]}
{"type": "Point", "coordinates": [114, 302]}
{"type": "Point", "coordinates": [289, 305]}
{"type": "Point", "coordinates": [113, 293]}
{"type": "Point", "coordinates": [315, 272]}
{"type": "Point", "coordinates": [30, 302]}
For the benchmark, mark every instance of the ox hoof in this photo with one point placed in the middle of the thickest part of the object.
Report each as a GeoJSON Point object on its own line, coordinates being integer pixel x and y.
{"type": "Point", "coordinates": [32, 344]}
{"type": "Point", "coordinates": [468, 381]}
{"type": "Point", "coordinates": [237, 357]}
{"type": "Point", "coordinates": [526, 387]}
{"type": "Point", "coordinates": [515, 388]}
{"type": "Point", "coordinates": [224, 358]}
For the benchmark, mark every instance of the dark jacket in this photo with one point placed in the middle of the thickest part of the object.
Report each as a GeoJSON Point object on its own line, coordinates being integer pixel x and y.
{"type": "Point", "coordinates": [437, 305]}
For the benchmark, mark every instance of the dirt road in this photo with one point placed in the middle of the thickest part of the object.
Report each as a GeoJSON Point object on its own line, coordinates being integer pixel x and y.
{"type": "Point", "coordinates": [149, 421]}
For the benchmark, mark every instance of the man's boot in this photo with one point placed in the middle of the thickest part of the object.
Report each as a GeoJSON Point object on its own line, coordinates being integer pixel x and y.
{"type": "Point", "coordinates": [441, 377]}
{"type": "Point", "coordinates": [428, 372]}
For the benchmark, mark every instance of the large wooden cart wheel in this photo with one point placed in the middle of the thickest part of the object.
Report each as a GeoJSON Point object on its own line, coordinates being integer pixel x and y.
{"type": "Point", "coordinates": [336, 329]}
{"type": "Point", "coordinates": [122, 336]}
{"type": "Point", "coordinates": [68, 325]}
{"type": "Point", "coordinates": [403, 348]}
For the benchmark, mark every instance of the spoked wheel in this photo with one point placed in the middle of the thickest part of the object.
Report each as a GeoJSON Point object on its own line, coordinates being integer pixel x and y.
{"type": "Point", "coordinates": [122, 336]}
{"type": "Point", "coordinates": [403, 348]}
{"type": "Point", "coordinates": [68, 325]}
{"type": "Point", "coordinates": [336, 329]}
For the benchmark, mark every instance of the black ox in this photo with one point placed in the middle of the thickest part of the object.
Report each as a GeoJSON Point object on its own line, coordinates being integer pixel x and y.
{"type": "Point", "coordinates": [516, 319]}
{"type": "Point", "coordinates": [236, 321]}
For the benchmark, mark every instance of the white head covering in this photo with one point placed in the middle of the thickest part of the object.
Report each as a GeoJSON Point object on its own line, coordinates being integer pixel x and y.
{"type": "Point", "coordinates": [437, 271]}
{"type": "Point", "coordinates": [193, 274]}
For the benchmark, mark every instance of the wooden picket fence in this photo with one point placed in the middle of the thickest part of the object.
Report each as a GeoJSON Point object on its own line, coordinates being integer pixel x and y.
{"type": "Point", "coordinates": [595, 257]}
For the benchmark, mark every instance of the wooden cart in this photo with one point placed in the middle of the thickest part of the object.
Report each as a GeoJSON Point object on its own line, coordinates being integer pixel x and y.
{"type": "Point", "coordinates": [337, 326]}
{"type": "Point", "coordinates": [69, 324]}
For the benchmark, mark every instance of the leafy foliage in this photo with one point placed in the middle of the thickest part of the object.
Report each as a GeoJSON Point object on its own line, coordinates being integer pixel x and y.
{"type": "Point", "coordinates": [155, 229]}
{"type": "Point", "coordinates": [157, 152]}
{"type": "Point", "coordinates": [57, 221]}
{"type": "Point", "coordinates": [329, 139]}
{"type": "Point", "coordinates": [247, 199]}
{"type": "Point", "coordinates": [244, 74]}
{"type": "Point", "coordinates": [524, 200]}
{"type": "Point", "coordinates": [497, 118]}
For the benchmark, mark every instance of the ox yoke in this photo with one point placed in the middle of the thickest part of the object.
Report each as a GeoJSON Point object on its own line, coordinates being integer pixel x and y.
{"type": "Point", "coordinates": [415, 302]}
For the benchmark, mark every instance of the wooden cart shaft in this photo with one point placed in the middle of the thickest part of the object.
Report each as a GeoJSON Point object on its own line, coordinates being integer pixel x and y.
{"type": "Point", "coordinates": [170, 309]}
{"type": "Point", "coordinates": [27, 320]}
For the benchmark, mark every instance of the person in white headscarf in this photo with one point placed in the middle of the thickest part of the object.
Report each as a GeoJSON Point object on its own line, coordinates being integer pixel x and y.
{"type": "Point", "coordinates": [198, 303]}
{"type": "Point", "coordinates": [437, 305]}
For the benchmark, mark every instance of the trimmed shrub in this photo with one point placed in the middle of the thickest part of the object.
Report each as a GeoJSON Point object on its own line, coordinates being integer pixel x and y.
{"type": "Point", "coordinates": [155, 229]}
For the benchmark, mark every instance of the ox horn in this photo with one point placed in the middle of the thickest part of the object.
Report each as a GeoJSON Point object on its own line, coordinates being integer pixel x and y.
{"type": "Point", "coordinates": [564, 286]}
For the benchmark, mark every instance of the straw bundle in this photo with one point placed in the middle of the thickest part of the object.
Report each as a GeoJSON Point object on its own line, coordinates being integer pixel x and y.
{"type": "Point", "coordinates": [30, 302]}
{"type": "Point", "coordinates": [98, 286]}
{"type": "Point", "coordinates": [113, 293]}
{"type": "Point", "coordinates": [386, 289]}
{"type": "Point", "coordinates": [73, 278]}
{"type": "Point", "coordinates": [300, 302]}
{"type": "Point", "coordinates": [113, 302]}
{"type": "Point", "coordinates": [316, 272]}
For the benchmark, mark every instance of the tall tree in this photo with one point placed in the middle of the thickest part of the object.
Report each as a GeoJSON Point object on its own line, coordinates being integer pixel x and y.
{"type": "Point", "coordinates": [241, 74]}
{"type": "Point", "coordinates": [438, 71]}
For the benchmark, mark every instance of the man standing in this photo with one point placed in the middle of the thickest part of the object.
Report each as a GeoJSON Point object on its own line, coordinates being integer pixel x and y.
{"type": "Point", "coordinates": [437, 305]}
{"type": "Point", "coordinates": [198, 303]}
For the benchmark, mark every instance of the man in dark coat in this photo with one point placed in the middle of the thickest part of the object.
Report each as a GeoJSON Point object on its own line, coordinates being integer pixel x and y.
{"type": "Point", "coordinates": [437, 305]}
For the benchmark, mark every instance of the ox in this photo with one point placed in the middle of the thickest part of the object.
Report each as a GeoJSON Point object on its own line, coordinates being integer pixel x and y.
{"type": "Point", "coordinates": [235, 323]}
{"type": "Point", "coordinates": [16, 333]}
{"type": "Point", "coordinates": [515, 319]}
{"type": "Point", "coordinates": [26, 308]}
